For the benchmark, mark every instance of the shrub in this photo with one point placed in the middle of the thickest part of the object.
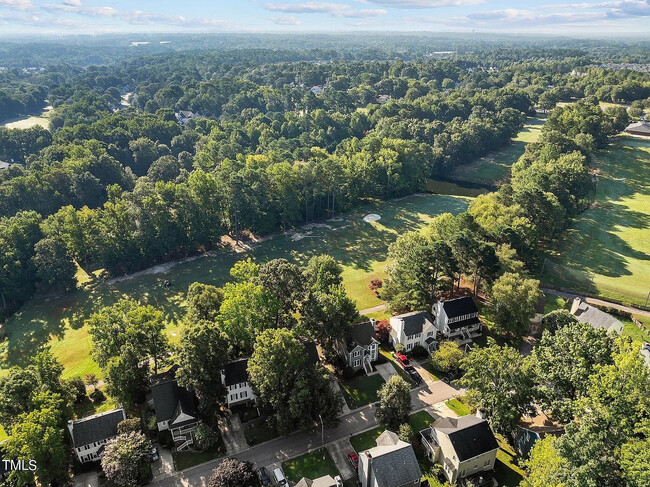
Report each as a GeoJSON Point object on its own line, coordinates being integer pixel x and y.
{"type": "Point", "coordinates": [383, 329]}
{"type": "Point", "coordinates": [77, 388]}
{"type": "Point", "coordinates": [406, 433]}
{"type": "Point", "coordinates": [129, 425]}
{"type": "Point", "coordinates": [205, 437]}
{"type": "Point", "coordinates": [399, 348]}
{"type": "Point", "coordinates": [97, 396]}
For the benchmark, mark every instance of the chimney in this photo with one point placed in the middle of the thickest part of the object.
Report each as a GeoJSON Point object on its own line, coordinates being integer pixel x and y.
{"type": "Point", "coordinates": [374, 323]}
{"type": "Point", "coordinates": [575, 305]}
{"type": "Point", "coordinates": [369, 472]}
{"type": "Point", "coordinates": [480, 414]}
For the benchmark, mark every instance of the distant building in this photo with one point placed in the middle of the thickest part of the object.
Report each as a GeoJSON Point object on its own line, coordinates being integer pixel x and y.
{"type": "Point", "coordinates": [392, 463]}
{"type": "Point", "coordinates": [457, 319]}
{"type": "Point", "coordinates": [317, 90]}
{"type": "Point", "coordinates": [540, 308]}
{"type": "Point", "coordinates": [184, 117]}
{"type": "Point", "coordinates": [326, 481]}
{"type": "Point", "coordinates": [641, 128]}
{"type": "Point", "coordinates": [175, 408]}
{"type": "Point", "coordinates": [235, 378]}
{"type": "Point", "coordinates": [4, 165]}
{"type": "Point", "coordinates": [90, 435]}
{"type": "Point", "coordinates": [464, 446]}
{"type": "Point", "coordinates": [360, 346]}
{"type": "Point", "coordinates": [414, 329]}
{"type": "Point", "coordinates": [383, 99]}
{"type": "Point", "coordinates": [585, 313]}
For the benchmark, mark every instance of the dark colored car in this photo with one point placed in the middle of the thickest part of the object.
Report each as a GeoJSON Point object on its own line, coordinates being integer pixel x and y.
{"type": "Point", "coordinates": [264, 476]}
{"type": "Point", "coordinates": [154, 454]}
{"type": "Point", "coordinates": [353, 458]}
{"type": "Point", "coordinates": [413, 374]}
{"type": "Point", "coordinates": [265, 479]}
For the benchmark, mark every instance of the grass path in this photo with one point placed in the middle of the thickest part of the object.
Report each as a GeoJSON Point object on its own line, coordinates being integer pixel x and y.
{"type": "Point", "coordinates": [606, 250]}
{"type": "Point", "coordinates": [495, 167]}
{"type": "Point", "coordinates": [360, 247]}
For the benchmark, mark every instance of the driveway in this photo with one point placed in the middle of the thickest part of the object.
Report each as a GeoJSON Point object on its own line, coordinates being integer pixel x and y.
{"type": "Point", "coordinates": [164, 467]}
{"type": "Point", "coordinates": [339, 451]}
{"type": "Point", "coordinates": [386, 370]}
{"type": "Point", "coordinates": [232, 433]}
{"type": "Point", "coordinates": [89, 479]}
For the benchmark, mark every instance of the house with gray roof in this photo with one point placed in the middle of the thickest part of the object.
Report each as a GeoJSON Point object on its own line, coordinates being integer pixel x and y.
{"type": "Point", "coordinates": [4, 165]}
{"type": "Point", "coordinates": [585, 313]}
{"type": "Point", "coordinates": [458, 320]}
{"type": "Point", "coordinates": [90, 435]}
{"type": "Point", "coordinates": [360, 347]}
{"type": "Point", "coordinates": [413, 329]}
{"type": "Point", "coordinates": [235, 378]}
{"type": "Point", "coordinates": [392, 463]}
{"type": "Point", "coordinates": [464, 446]}
{"type": "Point", "coordinates": [326, 481]}
{"type": "Point", "coordinates": [175, 408]}
{"type": "Point", "coordinates": [641, 128]}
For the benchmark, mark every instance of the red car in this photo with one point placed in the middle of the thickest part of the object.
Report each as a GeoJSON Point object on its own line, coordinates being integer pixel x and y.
{"type": "Point", "coordinates": [402, 359]}
{"type": "Point", "coordinates": [354, 460]}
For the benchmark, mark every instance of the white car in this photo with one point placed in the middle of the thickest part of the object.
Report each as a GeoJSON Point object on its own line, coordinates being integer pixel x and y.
{"type": "Point", "coordinates": [279, 477]}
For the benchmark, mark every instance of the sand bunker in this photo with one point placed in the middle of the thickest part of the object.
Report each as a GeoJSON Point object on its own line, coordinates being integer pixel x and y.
{"type": "Point", "coordinates": [373, 217]}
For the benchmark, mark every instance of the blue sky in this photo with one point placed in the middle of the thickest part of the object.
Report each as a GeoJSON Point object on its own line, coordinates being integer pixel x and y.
{"type": "Point", "coordinates": [568, 17]}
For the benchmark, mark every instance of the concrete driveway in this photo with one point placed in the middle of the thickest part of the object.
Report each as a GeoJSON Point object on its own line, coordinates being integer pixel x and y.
{"type": "Point", "coordinates": [339, 451]}
{"type": "Point", "coordinates": [386, 370]}
{"type": "Point", "coordinates": [89, 479]}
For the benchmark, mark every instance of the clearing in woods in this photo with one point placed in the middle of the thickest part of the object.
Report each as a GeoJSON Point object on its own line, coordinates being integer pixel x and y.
{"type": "Point", "coordinates": [360, 246]}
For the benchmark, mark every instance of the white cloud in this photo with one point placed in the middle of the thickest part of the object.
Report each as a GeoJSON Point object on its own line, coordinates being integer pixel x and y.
{"type": "Point", "coordinates": [17, 4]}
{"type": "Point", "coordinates": [307, 7]}
{"type": "Point", "coordinates": [426, 3]}
{"type": "Point", "coordinates": [285, 20]}
{"type": "Point", "coordinates": [361, 14]}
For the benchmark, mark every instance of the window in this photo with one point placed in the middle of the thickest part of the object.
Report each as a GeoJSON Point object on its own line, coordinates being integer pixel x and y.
{"type": "Point", "coordinates": [409, 346]}
{"type": "Point", "coordinates": [475, 467]}
{"type": "Point", "coordinates": [461, 473]}
{"type": "Point", "coordinates": [429, 333]}
{"type": "Point", "coordinates": [357, 353]}
{"type": "Point", "coordinates": [357, 362]}
{"type": "Point", "coordinates": [487, 462]}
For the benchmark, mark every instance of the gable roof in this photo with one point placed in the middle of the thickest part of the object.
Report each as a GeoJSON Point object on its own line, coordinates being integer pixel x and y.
{"type": "Point", "coordinates": [361, 334]}
{"type": "Point", "coordinates": [236, 372]}
{"type": "Point", "coordinates": [414, 321]}
{"type": "Point", "coordinates": [394, 465]}
{"type": "Point", "coordinates": [326, 481]}
{"type": "Point", "coordinates": [591, 315]}
{"type": "Point", "coordinates": [170, 399]}
{"type": "Point", "coordinates": [96, 428]}
{"type": "Point", "coordinates": [459, 307]}
{"type": "Point", "coordinates": [470, 436]}
{"type": "Point", "coordinates": [4, 165]}
{"type": "Point", "coordinates": [639, 127]}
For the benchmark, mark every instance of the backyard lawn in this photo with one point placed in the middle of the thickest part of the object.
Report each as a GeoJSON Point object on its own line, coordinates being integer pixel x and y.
{"type": "Point", "coordinates": [361, 390]}
{"type": "Point", "coordinates": [312, 465]}
{"type": "Point", "coordinates": [606, 250]}
{"type": "Point", "coordinates": [361, 248]}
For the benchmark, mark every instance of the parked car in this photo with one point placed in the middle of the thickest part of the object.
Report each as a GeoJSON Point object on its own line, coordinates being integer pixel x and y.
{"type": "Point", "coordinates": [413, 374]}
{"type": "Point", "coordinates": [353, 458]}
{"type": "Point", "coordinates": [402, 359]}
{"type": "Point", "coordinates": [339, 481]}
{"type": "Point", "coordinates": [154, 453]}
{"type": "Point", "coordinates": [264, 477]}
{"type": "Point", "coordinates": [280, 479]}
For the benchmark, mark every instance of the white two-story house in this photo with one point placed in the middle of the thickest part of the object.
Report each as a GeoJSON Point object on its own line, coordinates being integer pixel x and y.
{"type": "Point", "coordinates": [413, 329]}
{"type": "Point", "coordinates": [360, 347]}
{"type": "Point", "coordinates": [465, 447]}
{"type": "Point", "coordinates": [457, 319]}
{"type": "Point", "coordinates": [235, 378]}
{"type": "Point", "coordinates": [89, 435]}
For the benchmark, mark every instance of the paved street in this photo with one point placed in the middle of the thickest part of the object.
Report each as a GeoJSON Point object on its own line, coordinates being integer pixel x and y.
{"type": "Point", "coordinates": [297, 444]}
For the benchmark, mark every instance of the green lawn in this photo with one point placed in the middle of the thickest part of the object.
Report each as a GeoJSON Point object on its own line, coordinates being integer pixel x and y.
{"type": "Point", "coordinates": [606, 250]}
{"type": "Point", "coordinates": [506, 470]}
{"type": "Point", "coordinates": [368, 439]}
{"type": "Point", "coordinates": [554, 302]}
{"type": "Point", "coordinates": [495, 167]}
{"type": "Point", "coordinates": [258, 431]}
{"type": "Point", "coordinates": [361, 390]}
{"type": "Point", "coordinates": [630, 329]}
{"type": "Point", "coordinates": [312, 465]}
{"type": "Point", "coordinates": [459, 406]}
{"type": "Point", "coordinates": [186, 459]}
{"type": "Point", "coordinates": [360, 247]}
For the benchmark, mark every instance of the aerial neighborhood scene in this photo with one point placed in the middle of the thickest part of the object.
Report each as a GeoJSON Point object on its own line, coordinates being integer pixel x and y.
{"type": "Point", "coordinates": [349, 243]}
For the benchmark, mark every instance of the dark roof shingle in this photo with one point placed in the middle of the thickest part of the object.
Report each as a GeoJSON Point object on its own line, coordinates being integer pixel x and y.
{"type": "Point", "coordinates": [469, 435]}
{"type": "Point", "coordinates": [96, 428]}
{"type": "Point", "coordinates": [361, 334]}
{"type": "Point", "coordinates": [459, 307]}
{"type": "Point", "coordinates": [236, 372]}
